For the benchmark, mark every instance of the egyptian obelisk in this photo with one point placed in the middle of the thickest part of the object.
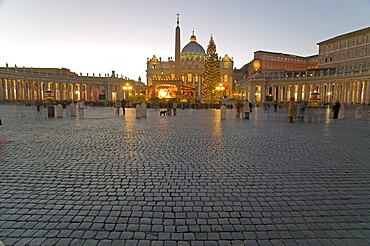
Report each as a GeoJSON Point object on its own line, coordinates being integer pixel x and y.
{"type": "Point", "coordinates": [177, 50]}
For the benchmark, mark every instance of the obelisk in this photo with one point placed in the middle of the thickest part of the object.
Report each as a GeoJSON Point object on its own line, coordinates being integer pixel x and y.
{"type": "Point", "coordinates": [177, 49]}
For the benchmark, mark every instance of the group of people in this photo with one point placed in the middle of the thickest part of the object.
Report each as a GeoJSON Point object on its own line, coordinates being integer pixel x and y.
{"type": "Point", "coordinates": [169, 108]}
{"type": "Point", "coordinates": [120, 104]}
{"type": "Point", "coordinates": [297, 110]}
{"type": "Point", "coordinates": [172, 107]}
{"type": "Point", "coordinates": [244, 108]}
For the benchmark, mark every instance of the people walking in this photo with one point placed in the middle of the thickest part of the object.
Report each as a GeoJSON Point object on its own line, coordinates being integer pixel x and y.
{"type": "Point", "coordinates": [292, 109]}
{"type": "Point", "coordinates": [275, 106]}
{"type": "Point", "coordinates": [174, 106]}
{"type": "Point", "coordinates": [118, 106]}
{"type": "Point", "coordinates": [38, 104]}
{"type": "Point", "coordinates": [80, 106]}
{"type": "Point", "coordinates": [123, 104]}
{"type": "Point", "coordinates": [239, 108]}
{"type": "Point", "coordinates": [300, 110]}
{"type": "Point", "coordinates": [247, 108]}
{"type": "Point", "coordinates": [336, 108]}
{"type": "Point", "coordinates": [169, 107]}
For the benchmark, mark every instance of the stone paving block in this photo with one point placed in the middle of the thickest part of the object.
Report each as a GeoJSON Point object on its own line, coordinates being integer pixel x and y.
{"type": "Point", "coordinates": [256, 182]}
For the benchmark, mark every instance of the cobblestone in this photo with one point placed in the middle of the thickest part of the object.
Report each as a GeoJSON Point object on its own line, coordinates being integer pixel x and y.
{"type": "Point", "coordinates": [190, 179]}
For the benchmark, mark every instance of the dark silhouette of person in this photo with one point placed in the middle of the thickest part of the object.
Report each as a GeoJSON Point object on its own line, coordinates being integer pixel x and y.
{"type": "Point", "coordinates": [123, 104]}
{"type": "Point", "coordinates": [336, 108]}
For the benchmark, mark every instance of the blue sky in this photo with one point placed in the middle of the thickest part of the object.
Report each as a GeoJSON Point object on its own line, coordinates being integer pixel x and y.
{"type": "Point", "coordinates": [91, 36]}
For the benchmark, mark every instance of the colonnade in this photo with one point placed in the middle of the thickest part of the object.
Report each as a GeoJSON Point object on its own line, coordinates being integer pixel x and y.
{"type": "Point", "coordinates": [328, 90]}
{"type": "Point", "coordinates": [15, 86]}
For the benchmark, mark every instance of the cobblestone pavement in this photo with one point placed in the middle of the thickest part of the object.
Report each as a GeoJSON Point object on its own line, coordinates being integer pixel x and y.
{"type": "Point", "coordinates": [190, 179]}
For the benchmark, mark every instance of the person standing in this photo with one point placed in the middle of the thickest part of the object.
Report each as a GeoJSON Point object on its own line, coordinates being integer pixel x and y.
{"type": "Point", "coordinates": [38, 104]}
{"type": "Point", "coordinates": [246, 109]}
{"type": "Point", "coordinates": [117, 105]}
{"type": "Point", "coordinates": [336, 107]}
{"type": "Point", "coordinates": [174, 106]}
{"type": "Point", "coordinates": [239, 107]}
{"type": "Point", "coordinates": [169, 107]}
{"type": "Point", "coordinates": [292, 109]}
{"type": "Point", "coordinates": [80, 106]}
{"type": "Point", "coordinates": [300, 110]}
{"type": "Point", "coordinates": [275, 106]}
{"type": "Point", "coordinates": [123, 104]}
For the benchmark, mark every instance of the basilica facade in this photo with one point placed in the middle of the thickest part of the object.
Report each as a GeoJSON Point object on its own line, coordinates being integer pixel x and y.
{"type": "Point", "coordinates": [182, 77]}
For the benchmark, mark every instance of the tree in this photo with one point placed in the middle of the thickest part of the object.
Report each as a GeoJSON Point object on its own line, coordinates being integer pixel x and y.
{"type": "Point", "coordinates": [212, 75]}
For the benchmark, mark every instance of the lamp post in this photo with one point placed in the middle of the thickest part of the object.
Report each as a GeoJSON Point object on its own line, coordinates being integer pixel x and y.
{"type": "Point", "coordinates": [221, 88]}
{"type": "Point", "coordinates": [126, 88]}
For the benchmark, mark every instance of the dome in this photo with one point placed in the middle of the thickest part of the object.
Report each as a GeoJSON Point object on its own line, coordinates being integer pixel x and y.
{"type": "Point", "coordinates": [193, 50]}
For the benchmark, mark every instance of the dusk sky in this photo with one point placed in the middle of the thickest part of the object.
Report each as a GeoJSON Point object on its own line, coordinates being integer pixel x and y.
{"type": "Point", "coordinates": [90, 36]}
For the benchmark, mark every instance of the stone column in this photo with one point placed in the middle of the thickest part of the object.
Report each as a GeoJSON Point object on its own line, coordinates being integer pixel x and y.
{"type": "Point", "coordinates": [93, 92]}
{"type": "Point", "coordinates": [38, 90]}
{"type": "Point", "coordinates": [32, 92]}
{"type": "Point", "coordinates": [322, 93]}
{"type": "Point", "coordinates": [367, 92]}
{"type": "Point", "coordinates": [342, 93]}
{"type": "Point", "coordinates": [119, 92]}
{"type": "Point", "coordinates": [107, 92]}
{"type": "Point", "coordinates": [10, 91]}
{"type": "Point", "coordinates": [248, 94]}
{"type": "Point", "coordinates": [68, 90]}
{"type": "Point", "coordinates": [54, 88]}
{"type": "Point", "coordinates": [26, 90]}
{"type": "Point", "coordinates": [335, 92]}
{"type": "Point", "coordinates": [285, 94]}
{"type": "Point", "coordinates": [299, 95]}
{"type": "Point", "coordinates": [1, 88]}
{"type": "Point", "coordinates": [81, 92]}
{"type": "Point", "coordinates": [350, 98]}
{"type": "Point", "coordinates": [74, 89]}
{"type": "Point", "coordinates": [61, 89]}
{"type": "Point", "coordinates": [359, 92]}
{"type": "Point", "coordinates": [17, 92]}
{"type": "Point", "coordinates": [263, 93]}
{"type": "Point", "coordinates": [292, 92]}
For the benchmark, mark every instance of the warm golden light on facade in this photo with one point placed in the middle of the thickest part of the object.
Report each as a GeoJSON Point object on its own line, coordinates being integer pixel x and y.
{"type": "Point", "coordinates": [127, 87]}
{"type": "Point", "coordinates": [220, 87]}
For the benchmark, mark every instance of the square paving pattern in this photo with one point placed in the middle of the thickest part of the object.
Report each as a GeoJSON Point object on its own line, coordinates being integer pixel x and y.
{"type": "Point", "coordinates": [190, 179]}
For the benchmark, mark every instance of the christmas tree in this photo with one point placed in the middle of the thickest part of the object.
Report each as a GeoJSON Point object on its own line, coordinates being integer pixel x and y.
{"type": "Point", "coordinates": [212, 75]}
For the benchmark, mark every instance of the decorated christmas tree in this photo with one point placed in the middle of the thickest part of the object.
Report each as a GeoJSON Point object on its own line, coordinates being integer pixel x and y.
{"type": "Point", "coordinates": [212, 75]}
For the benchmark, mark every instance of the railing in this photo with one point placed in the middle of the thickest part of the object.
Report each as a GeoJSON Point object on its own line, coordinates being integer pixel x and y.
{"type": "Point", "coordinates": [55, 74]}
{"type": "Point", "coordinates": [304, 75]}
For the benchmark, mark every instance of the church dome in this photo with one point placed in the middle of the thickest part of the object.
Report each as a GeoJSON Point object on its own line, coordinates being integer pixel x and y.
{"type": "Point", "coordinates": [193, 50]}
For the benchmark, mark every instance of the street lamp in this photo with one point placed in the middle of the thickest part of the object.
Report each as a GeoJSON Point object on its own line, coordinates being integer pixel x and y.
{"type": "Point", "coordinates": [221, 88]}
{"type": "Point", "coordinates": [127, 88]}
